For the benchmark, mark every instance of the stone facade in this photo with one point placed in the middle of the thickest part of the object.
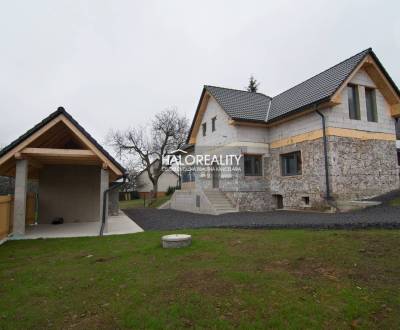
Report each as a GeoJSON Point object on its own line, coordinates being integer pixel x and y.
{"type": "Point", "coordinates": [362, 168]}
{"type": "Point", "coordinates": [311, 182]}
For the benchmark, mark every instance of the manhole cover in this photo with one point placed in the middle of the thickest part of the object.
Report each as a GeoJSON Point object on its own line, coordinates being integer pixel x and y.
{"type": "Point", "coordinates": [176, 240]}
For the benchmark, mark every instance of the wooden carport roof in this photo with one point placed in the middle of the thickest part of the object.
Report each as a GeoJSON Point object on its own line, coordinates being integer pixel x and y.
{"type": "Point", "coordinates": [58, 139]}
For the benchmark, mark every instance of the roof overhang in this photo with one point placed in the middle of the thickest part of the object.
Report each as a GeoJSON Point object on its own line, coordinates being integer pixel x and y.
{"type": "Point", "coordinates": [201, 108]}
{"type": "Point", "coordinates": [39, 147]}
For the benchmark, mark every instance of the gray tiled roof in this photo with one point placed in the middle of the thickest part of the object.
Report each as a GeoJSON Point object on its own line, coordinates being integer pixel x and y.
{"type": "Point", "coordinates": [315, 89]}
{"type": "Point", "coordinates": [241, 104]}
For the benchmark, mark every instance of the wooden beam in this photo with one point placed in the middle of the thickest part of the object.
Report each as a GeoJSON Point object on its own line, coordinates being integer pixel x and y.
{"type": "Point", "coordinates": [395, 110]}
{"type": "Point", "coordinates": [91, 146]}
{"type": "Point", "coordinates": [29, 140]}
{"type": "Point", "coordinates": [61, 153]}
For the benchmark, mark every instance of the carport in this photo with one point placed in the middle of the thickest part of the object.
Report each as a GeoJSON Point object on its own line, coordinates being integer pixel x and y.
{"type": "Point", "coordinates": [71, 170]}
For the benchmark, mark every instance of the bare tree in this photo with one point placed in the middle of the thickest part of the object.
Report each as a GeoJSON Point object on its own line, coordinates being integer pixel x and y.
{"type": "Point", "coordinates": [150, 144]}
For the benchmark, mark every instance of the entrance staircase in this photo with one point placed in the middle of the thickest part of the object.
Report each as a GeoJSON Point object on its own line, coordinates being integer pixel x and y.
{"type": "Point", "coordinates": [219, 201]}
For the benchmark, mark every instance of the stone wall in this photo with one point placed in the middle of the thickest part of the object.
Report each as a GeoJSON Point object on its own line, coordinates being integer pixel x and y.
{"type": "Point", "coordinates": [311, 183]}
{"type": "Point", "coordinates": [362, 168]}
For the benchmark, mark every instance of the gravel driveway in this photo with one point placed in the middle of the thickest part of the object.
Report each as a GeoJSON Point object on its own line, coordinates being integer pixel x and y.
{"type": "Point", "coordinates": [383, 216]}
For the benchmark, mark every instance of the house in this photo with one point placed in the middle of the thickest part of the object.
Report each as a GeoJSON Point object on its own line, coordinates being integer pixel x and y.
{"type": "Point", "coordinates": [328, 139]}
{"type": "Point", "coordinates": [167, 179]}
{"type": "Point", "coordinates": [71, 170]}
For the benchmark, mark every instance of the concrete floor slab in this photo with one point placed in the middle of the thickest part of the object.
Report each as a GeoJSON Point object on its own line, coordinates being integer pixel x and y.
{"type": "Point", "coordinates": [117, 225]}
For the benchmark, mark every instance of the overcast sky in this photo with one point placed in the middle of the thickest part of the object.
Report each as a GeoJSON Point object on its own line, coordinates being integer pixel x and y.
{"type": "Point", "coordinates": [113, 64]}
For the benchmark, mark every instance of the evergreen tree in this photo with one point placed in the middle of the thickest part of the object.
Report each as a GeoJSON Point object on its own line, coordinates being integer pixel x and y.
{"type": "Point", "coordinates": [253, 85]}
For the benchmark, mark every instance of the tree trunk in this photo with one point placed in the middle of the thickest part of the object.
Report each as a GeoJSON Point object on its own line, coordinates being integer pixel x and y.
{"type": "Point", "coordinates": [155, 190]}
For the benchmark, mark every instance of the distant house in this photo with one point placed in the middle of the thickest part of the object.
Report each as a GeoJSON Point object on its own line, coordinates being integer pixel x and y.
{"type": "Point", "coordinates": [144, 186]}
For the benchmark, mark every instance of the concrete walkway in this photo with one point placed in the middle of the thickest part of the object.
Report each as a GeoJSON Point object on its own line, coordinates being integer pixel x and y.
{"type": "Point", "coordinates": [117, 225]}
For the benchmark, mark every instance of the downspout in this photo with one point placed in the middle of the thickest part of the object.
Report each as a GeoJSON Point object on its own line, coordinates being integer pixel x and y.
{"type": "Point", "coordinates": [105, 194]}
{"type": "Point", "coordinates": [328, 192]}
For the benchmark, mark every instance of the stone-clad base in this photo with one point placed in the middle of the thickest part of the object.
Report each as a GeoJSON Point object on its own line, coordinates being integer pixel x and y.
{"type": "Point", "coordinates": [362, 168]}
{"type": "Point", "coordinates": [251, 201]}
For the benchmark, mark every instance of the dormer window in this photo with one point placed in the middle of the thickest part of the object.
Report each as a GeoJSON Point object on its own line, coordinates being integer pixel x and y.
{"type": "Point", "coordinates": [204, 128]}
{"type": "Point", "coordinates": [354, 104]}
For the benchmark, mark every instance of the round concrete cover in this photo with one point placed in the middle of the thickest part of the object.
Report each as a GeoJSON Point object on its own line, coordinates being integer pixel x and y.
{"type": "Point", "coordinates": [176, 240]}
{"type": "Point", "coordinates": [176, 237]}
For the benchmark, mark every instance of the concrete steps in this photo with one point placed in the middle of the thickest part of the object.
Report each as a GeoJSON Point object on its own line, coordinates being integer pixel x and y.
{"type": "Point", "coordinates": [219, 201]}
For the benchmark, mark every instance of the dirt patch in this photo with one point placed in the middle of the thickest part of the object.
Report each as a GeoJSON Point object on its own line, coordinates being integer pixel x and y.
{"type": "Point", "coordinates": [104, 259]}
{"type": "Point", "coordinates": [304, 267]}
{"type": "Point", "coordinates": [205, 281]}
{"type": "Point", "coordinates": [91, 321]}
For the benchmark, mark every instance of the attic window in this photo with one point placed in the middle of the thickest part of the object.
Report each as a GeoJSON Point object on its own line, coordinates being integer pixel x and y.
{"type": "Point", "coordinates": [370, 99]}
{"type": "Point", "coordinates": [204, 128]}
{"type": "Point", "coordinates": [354, 104]}
{"type": "Point", "coordinates": [213, 123]}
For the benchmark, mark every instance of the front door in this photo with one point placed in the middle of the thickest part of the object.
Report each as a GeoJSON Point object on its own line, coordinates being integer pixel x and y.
{"type": "Point", "coordinates": [215, 175]}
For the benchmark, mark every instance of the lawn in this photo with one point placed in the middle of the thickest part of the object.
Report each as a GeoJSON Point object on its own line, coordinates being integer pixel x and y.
{"type": "Point", "coordinates": [395, 202]}
{"type": "Point", "coordinates": [134, 203]}
{"type": "Point", "coordinates": [281, 279]}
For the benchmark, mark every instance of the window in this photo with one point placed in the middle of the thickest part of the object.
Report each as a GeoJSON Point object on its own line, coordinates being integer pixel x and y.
{"type": "Point", "coordinates": [291, 163]}
{"type": "Point", "coordinates": [397, 125]}
{"type": "Point", "coordinates": [213, 123]}
{"type": "Point", "coordinates": [252, 165]}
{"type": "Point", "coordinates": [398, 156]}
{"type": "Point", "coordinates": [354, 105]}
{"type": "Point", "coordinates": [370, 99]}
{"type": "Point", "coordinates": [204, 127]}
{"type": "Point", "coordinates": [306, 200]}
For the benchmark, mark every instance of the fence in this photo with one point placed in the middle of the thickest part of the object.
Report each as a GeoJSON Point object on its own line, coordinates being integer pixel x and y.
{"type": "Point", "coordinates": [7, 210]}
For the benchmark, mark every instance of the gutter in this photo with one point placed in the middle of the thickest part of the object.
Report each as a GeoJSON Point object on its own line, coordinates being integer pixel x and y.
{"type": "Point", "coordinates": [105, 195]}
{"type": "Point", "coordinates": [328, 192]}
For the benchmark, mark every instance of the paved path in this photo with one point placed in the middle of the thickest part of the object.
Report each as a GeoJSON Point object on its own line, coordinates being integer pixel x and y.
{"type": "Point", "coordinates": [382, 216]}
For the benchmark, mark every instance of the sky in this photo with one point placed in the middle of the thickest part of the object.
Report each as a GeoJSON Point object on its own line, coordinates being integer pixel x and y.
{"type": "Point", "coordinates": [114, 64]}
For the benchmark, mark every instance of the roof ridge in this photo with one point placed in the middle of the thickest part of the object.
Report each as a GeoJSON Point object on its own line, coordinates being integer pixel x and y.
{"type": "Point", "coordinates": [366, 51]}
{"type": "Point", "coordinates": [238, 90]}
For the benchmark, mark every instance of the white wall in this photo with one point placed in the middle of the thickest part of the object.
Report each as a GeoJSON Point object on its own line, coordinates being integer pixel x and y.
{"type": "Point", "coordinates": [167, 179]}
{"type": "Point", "coordinates": [69, 191]}
{"type": "Point", "coordinates": [223, 134]}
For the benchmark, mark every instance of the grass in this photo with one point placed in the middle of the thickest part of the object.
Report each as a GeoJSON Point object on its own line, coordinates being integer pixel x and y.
{"type": "Point", "coordinates": [135, 203]}
{"type": "Point", "coordinates": [395, 202]}
{"type": "Point", "coordinates": [249, 279]}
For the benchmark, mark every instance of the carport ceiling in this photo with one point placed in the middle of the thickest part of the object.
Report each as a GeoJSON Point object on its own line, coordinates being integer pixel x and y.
{"type": "Point", "coordinates": [58, 139]}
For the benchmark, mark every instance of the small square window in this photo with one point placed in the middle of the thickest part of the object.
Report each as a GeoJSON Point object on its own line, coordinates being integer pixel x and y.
{"type": "Point", "coordinates": [291, 163]}
{"type": "Point", "coordinates": [306, 200]}
{"type": "Point", "coordinates": [204, 128]}
{"type": "Point", "coordinates": [213, 124]}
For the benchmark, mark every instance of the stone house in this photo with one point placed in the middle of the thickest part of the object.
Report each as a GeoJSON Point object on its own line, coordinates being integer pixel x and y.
{"type": "Point", "coordinates": [330, 138]}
